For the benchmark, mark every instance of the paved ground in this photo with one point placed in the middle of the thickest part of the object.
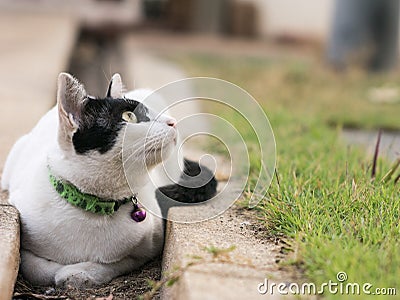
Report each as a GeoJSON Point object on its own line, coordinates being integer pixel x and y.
{"type": "Point", "coordinates": [163, 42]}
{"type": "Point", "coordinates": [389, 144]}
{"type": "Point", "coordinates": [223, 258]}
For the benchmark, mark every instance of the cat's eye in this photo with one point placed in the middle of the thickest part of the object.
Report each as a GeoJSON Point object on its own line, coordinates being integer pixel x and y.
{"type": "Point", "coordinates": [129, 117]}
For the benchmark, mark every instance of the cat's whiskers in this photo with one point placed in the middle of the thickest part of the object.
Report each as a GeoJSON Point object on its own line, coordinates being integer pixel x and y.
{"type": "Point", "coordinates": [144, 147]}
{"type": "Point", "coordinates": [119, 154]}
{"type": "Point", "coordinates": [149, 155]}
{"type": "Point", "coordinates": [137, 148]}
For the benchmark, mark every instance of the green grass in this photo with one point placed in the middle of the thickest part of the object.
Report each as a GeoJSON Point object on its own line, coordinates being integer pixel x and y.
{"type": "Point", "coordinates": [324, 202]}
{"type": "Point", "coordinates": [339, 219]}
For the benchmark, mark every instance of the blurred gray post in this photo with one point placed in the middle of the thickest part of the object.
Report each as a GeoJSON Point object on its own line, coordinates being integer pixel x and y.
{"type": "Point", "coordinates": [365, 31]}
{"type": "Point", "coordinates": [208, 15]}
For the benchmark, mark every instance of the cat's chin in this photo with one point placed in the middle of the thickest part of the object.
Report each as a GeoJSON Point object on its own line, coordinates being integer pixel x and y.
{"type": "Point", "coordinates": [160, 154]}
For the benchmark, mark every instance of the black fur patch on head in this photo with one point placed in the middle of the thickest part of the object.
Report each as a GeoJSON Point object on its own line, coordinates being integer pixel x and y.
{"type": "Point", "coordinates": [100, 122]}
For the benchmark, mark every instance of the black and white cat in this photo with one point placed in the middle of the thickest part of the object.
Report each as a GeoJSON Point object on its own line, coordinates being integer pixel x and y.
{"type": "Point", "coordinates": [66, 178]}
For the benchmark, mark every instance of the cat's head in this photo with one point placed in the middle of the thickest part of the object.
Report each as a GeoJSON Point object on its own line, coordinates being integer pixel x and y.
{"type": "Point", "coordinates": [94, 128]}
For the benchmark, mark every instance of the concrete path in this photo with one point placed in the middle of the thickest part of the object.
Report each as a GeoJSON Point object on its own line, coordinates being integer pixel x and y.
{"type": "Point", "coordinates": [227, 257]}
{"type": "Point", "coordinates": [389, 144]}
{"type": "Point", "coordinates": [34, 49]}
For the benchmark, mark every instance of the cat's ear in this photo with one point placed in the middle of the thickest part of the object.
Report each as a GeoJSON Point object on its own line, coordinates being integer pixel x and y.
{"type": "Point", "coordinates": [116, 87]}
{"type": "Point", "coordinates": [71, 96]}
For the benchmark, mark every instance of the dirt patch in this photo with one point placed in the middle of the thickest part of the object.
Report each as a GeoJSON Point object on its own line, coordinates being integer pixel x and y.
{"type": "Point", "coordinates": [125, 287]}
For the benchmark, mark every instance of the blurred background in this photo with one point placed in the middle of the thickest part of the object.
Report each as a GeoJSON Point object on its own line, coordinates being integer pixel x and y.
{"type": "Point", "coordinates": [281, 51]}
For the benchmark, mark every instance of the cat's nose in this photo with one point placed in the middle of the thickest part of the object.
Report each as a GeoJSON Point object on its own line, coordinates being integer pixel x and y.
{"type": "Point", "coordinates": [171, 122]}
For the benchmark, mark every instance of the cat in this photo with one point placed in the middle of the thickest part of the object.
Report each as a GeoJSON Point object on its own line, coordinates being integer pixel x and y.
{"type": "Point", "coordinates": [80, 221]}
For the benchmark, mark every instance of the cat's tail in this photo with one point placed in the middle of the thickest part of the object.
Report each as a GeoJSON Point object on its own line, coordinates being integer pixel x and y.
{"type": "Point", "coordinates": [197, 184]}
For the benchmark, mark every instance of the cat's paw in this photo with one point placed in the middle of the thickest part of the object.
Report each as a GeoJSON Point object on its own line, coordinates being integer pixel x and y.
{"type": "Point", "coordinates": [79, 275]}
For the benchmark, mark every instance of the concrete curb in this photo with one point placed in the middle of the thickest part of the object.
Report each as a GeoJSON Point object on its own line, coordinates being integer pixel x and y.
{"type": "Point", "coordinates": [9, 249]}
{"type": "Point", "coordinates": [232, 274]}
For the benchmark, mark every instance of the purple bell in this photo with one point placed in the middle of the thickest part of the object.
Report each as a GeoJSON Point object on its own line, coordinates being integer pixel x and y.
{"type": "Point", "coordinates": [138, 214]}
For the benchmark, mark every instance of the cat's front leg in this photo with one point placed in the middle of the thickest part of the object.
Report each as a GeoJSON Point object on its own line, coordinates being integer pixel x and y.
{"type": "Point", "coordinates": [38, 270]}
{"type": "Point", "coordinates": [88, 274]}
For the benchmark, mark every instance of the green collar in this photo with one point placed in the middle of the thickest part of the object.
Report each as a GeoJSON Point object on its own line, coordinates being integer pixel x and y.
{"type": "Point", "coordinates": [87, 202]}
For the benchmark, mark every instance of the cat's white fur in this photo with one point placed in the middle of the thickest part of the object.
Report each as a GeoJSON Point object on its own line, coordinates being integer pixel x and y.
{"type": "Point", "coordinates": [62, 244]}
